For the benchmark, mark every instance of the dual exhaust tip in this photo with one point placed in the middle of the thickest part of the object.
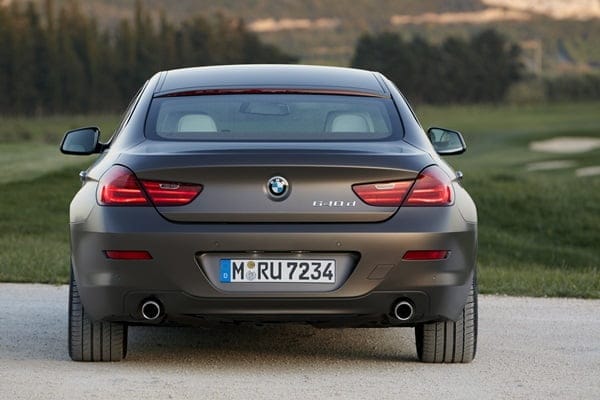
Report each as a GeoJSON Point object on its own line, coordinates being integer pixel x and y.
{"type": "Point", "coordinates": [403, 310]}
{"type": "Point", "coordinates": [151, 310]}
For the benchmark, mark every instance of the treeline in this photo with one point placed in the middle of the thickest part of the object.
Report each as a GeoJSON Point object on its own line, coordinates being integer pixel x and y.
{"type": "Point", "coordinates": [61, 61]}
{"type": "Point", "coordinates": [583, 87]}
{"type": "Point", "coordinates": [480, 69]}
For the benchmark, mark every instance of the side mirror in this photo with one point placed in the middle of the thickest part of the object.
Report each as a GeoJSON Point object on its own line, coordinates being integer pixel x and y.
{"type": "Point", "coordinates": [82, 141]}
{"type": "Point", "coordinates": [446, 142]}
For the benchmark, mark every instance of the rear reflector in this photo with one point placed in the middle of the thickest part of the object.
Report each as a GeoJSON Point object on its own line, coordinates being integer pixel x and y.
{"type": "Point", "coordinates": [384, 194]}
{"type": "Point", "coordinates": [128, 254]}
{"type": "Point", "coordinates": [415, 255]}
{"type": "Point", "coordinates": [120, 187]}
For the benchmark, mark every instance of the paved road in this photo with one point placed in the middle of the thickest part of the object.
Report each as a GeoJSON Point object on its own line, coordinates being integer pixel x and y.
{"type": "Point", "coordinates": [528, 348]}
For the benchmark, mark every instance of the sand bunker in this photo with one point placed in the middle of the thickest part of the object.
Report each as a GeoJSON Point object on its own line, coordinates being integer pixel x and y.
{"type": "Point", "coordinates": [588, 171]}
{"type": "Point", "coordinates": [550, 165]}
{"type": "Point", "coordinates": [566, 145]}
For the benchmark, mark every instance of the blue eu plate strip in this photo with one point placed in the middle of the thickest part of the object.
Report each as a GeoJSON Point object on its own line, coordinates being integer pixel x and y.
{"type": "Point", "coordinates": [225, 273]}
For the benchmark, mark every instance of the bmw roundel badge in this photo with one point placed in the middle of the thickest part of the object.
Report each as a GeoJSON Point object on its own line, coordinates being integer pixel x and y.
{"type": "Point", "coordinates": [278, 186]}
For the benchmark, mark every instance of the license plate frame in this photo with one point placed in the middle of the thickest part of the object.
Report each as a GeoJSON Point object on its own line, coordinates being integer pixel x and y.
{"type": "Point", "coordinates": [277, 270]}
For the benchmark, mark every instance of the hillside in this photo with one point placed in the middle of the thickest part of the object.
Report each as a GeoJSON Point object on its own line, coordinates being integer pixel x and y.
{"type": "Point", "coordinates": [556, 35]}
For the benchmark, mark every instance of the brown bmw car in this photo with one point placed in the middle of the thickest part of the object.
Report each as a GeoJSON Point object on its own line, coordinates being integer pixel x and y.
{"type": "Point", "coordinates": [271, 193]}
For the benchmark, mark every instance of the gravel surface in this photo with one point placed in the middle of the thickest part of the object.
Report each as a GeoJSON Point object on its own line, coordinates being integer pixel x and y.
{"type": "Point", "coordinates": [528, 348]}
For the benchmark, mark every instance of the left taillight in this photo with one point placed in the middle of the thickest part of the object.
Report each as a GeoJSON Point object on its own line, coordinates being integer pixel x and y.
{"type": "Point", "coordinates": [120, 187]}
{"type": "Point", "coordinates": [171, 194]}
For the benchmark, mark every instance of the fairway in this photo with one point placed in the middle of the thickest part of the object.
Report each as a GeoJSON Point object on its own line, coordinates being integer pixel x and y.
{"type": "Point", "coordinates": [24, 162]}
{"type": "Point", "coordinates": [538, 232]}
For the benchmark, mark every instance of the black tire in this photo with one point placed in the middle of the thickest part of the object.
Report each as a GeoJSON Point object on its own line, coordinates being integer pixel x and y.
{"type": "Point", "coordinates": [450, 341]}
{"type": "Point", "coordinates": [93, 340]}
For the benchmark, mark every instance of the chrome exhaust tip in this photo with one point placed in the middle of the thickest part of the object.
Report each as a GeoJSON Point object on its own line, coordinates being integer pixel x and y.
{"type": "Point", "coordinates": [404, 310]}
{"type": "Point", "coordinates": [151, 310]}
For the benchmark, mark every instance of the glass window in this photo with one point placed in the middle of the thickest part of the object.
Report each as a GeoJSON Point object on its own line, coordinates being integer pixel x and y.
{"type": "Point", "coordinates": [272, 117]}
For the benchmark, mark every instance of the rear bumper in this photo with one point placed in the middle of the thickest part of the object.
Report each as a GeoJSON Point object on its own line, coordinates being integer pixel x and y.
{"type": "Point", "coordinates": [374, 309]}
{"type": "Point", "coordinates": [115, 289]}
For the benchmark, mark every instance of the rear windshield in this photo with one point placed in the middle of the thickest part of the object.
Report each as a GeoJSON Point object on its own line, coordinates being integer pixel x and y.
{"type": "Point", "coordinates": [272, 117]}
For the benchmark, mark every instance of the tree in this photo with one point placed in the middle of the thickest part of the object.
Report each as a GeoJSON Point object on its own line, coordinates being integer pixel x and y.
{"type": "Point", "coordinates": [66, 63]}
{"type": "Point", "coordinates": [498, 65]}
{"type": "Point", "coordinates": [456, 71]}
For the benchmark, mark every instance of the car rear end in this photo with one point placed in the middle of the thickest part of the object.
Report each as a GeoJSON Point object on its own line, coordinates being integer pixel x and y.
{"type": "Point", "coordinates": [187, 220]}
{"type": "Point", "coordinates": [273, 205]}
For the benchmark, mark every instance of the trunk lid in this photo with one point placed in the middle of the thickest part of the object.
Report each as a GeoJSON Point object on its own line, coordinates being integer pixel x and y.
{"type": "Point", "coordinates": [236, 179]}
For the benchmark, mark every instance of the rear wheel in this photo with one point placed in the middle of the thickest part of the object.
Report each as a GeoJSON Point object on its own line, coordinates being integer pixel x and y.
{"type": "Point", "coordinates": [93, 340]}
{"type": "Point", "coordinates": [450, 341]}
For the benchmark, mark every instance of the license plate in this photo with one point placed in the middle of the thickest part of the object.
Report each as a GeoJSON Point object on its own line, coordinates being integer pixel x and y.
{"type": "Point", "coordinates": [273, 270]}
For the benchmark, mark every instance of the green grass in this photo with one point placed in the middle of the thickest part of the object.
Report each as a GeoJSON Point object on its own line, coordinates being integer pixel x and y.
{"type": "Point", "coordinates": [37, 183]}
{"type": "Point", "coordinates": [538, 231]}
{"type": "Point", "coordinates": [24, 162]}
{"type": "Point", "coordinates": [50, 130]}
{"type": "Point", "coordinates": [34, 243]}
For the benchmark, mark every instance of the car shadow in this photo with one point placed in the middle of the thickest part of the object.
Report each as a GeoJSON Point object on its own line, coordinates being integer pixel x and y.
{"type": "Point", "coordinates": [273, 344]}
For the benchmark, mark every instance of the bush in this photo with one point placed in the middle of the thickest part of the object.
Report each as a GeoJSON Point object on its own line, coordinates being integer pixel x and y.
{"type": "Point", "coordinates": [530, 91]}
{"type": "Point", "coordinates": [572, 88]}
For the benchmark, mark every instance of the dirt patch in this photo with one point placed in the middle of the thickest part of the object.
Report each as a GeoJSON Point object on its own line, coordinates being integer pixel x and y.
{"type": "Point", "coordinates": [287, 24]}
{"type": "Point", "coordinates": [556, 9]}
{"type": "Point", "coordinates": [468, 17]}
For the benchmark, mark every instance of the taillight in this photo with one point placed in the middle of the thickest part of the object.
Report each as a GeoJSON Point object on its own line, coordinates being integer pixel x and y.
{"type": "Point", "coordinates": [120, 186]}
{"type": "Point", "coordinates": [432, 188]}
{"type": "Point", "coordinates": [385, 194]}
{"type": "Point", "coordinates": [171, 194]}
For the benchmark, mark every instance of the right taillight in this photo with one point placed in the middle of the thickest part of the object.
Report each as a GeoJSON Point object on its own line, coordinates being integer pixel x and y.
{"type": "Point", "coordinates": [384, 194]}
{"type": "Point", "coordinates": [432, 188]}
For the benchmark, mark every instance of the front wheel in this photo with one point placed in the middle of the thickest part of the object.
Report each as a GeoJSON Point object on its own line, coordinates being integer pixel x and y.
{"type": "Point", "coordinates": [93, 340]}
{"type": "Point", "coordinates": [450, 341]}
